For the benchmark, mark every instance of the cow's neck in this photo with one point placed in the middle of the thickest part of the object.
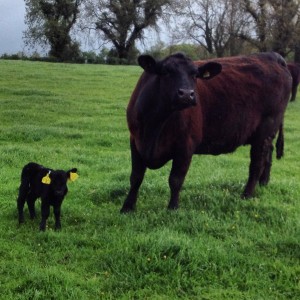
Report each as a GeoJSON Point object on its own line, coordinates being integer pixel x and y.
{"type": "Point", "coordinates": [153, 130]}
{"type": "Point", "coordinates": [152, 121]}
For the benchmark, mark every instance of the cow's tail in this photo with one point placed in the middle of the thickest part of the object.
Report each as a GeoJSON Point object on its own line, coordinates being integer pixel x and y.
{"type": "Point", "coordinates": [280, 142]}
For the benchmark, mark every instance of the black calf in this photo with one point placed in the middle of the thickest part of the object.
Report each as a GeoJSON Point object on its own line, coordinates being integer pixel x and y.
{"type": "Point", "coordinates": [47, 184]}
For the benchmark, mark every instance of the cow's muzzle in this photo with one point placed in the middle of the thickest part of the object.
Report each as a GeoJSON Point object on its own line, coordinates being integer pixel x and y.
{"type": "Point", "coordinates": [185, 98]}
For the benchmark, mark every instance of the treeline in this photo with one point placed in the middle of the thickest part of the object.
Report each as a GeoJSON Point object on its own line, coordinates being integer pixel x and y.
{"type": "Point", "coordinates": [208, 28]}
{"type": "Point", "coordinates": [108, 56]}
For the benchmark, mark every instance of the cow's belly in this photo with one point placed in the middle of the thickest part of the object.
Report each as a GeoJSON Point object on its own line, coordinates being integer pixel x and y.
{"type": "Point", "coordinates": [221, 146]}
{"type": "Point", "coordinates": [214, 149]}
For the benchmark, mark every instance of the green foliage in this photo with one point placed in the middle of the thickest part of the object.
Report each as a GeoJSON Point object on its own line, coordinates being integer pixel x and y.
{"type": "Point", "coordinates": [123, 23]}
{"type": "Point", "coordinates": [216, 246]}
{"type": "Point", "coordinates": [49, 23]}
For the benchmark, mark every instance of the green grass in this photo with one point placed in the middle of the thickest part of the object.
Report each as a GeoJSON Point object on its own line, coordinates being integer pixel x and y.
{"type": "Point", "coordinates": [216, 246]}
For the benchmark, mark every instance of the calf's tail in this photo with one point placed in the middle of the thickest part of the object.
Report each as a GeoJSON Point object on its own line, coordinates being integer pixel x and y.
{"type": "Point", "coordinates": [280, 142]}
{"type": "Point", "coordinates": [25, 180]}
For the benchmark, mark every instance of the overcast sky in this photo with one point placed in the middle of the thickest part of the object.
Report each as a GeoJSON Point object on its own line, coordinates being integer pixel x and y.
{"type": "Point", "coordinates": [12, 25]}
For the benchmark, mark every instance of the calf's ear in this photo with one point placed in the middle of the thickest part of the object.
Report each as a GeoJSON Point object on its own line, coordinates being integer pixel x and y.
{"type": "Point", "coordinates": [148, 63]}
{"type": "Point", "coordinates": [209, 70]}
{"type": "Point", "coordinates": [72, 174]}
{"type": "Point", "coordinates": [46, 179]}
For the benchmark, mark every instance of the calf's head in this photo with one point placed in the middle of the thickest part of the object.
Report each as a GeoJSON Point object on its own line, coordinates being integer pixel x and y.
{"type": "Point", "coordinates": [57, 180]}
{"type": "Point", "coordinates": [174, 79]}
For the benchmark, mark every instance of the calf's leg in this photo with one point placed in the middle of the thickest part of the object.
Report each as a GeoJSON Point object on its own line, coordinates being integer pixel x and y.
{"type": "Point", "coordinates": [56, 210]}
{"type": "Point", "coordinates": [23, 191]}
{"type": "Point", "coordinates": [30, 202]}
{"type": "Point", "coordinates": [45, 209]}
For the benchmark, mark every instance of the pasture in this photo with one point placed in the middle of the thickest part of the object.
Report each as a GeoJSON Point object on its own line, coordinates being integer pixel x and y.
{"type": "Point", "coordinates": [216, 246]}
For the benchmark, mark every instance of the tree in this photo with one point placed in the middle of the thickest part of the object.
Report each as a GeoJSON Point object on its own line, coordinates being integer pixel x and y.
{"type": "Point", "coordinates": [214, 24]}
{"type": "Point", "coordinates": [284, 33]}
{"type": "Point", "coordinates": [259, 24]}
{"type": "Point", "coordinates": [274, 23]}
{"type": "Point", "coordinates": [49, 24]}
{"type": "Point", "coordinates": [122, 22]}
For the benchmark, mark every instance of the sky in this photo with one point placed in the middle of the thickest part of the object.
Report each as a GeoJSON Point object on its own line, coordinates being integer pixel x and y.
{"type": "Point", "coordinates": [12, 13]}
{"type": "Point", "coordinates": [12, 26]}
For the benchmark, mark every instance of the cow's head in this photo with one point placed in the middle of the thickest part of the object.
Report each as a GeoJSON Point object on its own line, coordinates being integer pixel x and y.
{"type": "Point", "coordinates": [57, 180]}
{"type": "Point", "coordinates": [175, 78]}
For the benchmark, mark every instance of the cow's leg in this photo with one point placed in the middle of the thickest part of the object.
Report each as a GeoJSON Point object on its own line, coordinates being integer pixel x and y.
{"type": "Point", "coordinates": [138, 170]}
{"type": "Point", "coordinates": [23, 191]}
{"type": "Point", "coordinates": [45, 209]}
{"type": "Point", "coordinates": [56, 210]}
{"type": "Point", "coordinates": [179, 170]}
{"type": "Point", "coordinates": [255, 170]}
{"type": "Point", "coordinates": [265, 176]}
{"type": "Point", "coordinates": [294, 92]}
{"type": "Point", "coordinates": [259, 154]}
{"type": "Point", "coordinates": [31, 207]}
{"type": "Point", "coordinates": [260, 165]}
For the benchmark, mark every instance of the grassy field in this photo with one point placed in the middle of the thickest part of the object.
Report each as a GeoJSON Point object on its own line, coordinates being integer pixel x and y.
{"type": "Point", "coordinates": [216, 246]}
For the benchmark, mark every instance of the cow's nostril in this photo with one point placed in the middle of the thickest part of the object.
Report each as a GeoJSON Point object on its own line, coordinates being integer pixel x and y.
{"type": "Point", "coordinates": [186, 93]}
{"type": "Point", "coordinates": [181, 92]}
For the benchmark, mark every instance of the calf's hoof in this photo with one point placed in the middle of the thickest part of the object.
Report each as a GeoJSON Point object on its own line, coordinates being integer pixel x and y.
{"type": "Point", "coordinates": [32, 217]}
{"type": "Point", "coordinates": [57, 227]}
{"type": "Point", "coordinates": [42, 227]}
{"type": "Point", "coordinates": [21, 220]}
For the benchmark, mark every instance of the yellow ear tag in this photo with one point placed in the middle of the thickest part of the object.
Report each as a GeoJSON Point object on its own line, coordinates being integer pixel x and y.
{"type": "Point", "coordinates": [206, 74]}
{"type": "Point", "coordinates": [73, 176]}
{"type": "Point", "coordinates": [46, 179]}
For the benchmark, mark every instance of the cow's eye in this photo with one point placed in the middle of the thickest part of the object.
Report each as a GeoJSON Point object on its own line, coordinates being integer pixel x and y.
{"type": "Point", "coordinates": [193, 75]}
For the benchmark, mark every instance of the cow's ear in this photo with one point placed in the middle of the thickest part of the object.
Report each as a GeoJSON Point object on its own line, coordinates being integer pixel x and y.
{"type": "Point", "coordinates": [209, 70]}
{"type": "Point", "coordinates": [72, 174]}
{"type": "Point", "coordinates": [148, 63]}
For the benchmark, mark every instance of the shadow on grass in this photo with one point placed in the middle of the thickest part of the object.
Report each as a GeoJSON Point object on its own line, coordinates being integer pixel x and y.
{"type": "Point", "coordinates": [108, 195]}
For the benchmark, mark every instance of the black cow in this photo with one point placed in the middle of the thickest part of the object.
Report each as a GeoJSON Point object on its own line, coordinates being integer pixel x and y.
{"type": "Point", "coordinates": [47, 184]}
{"type": "Point", "coordinates": [180, 108]}
{"type": "Point", "coordinates": [295, 72]}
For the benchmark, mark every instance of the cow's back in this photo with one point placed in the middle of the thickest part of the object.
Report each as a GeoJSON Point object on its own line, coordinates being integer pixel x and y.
{"type": "Point", "coordinates": [234, 103]}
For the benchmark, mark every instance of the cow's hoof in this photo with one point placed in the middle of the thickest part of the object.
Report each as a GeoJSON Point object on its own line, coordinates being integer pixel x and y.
{"type": "Point", "coordinates": [172, 207]}
{"type": "Point", "coordinates": [246, 196]}
{"type": "Point", "coordinates": [127, 209]}
{"type": "Point", "coordinates": [264, 182]}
